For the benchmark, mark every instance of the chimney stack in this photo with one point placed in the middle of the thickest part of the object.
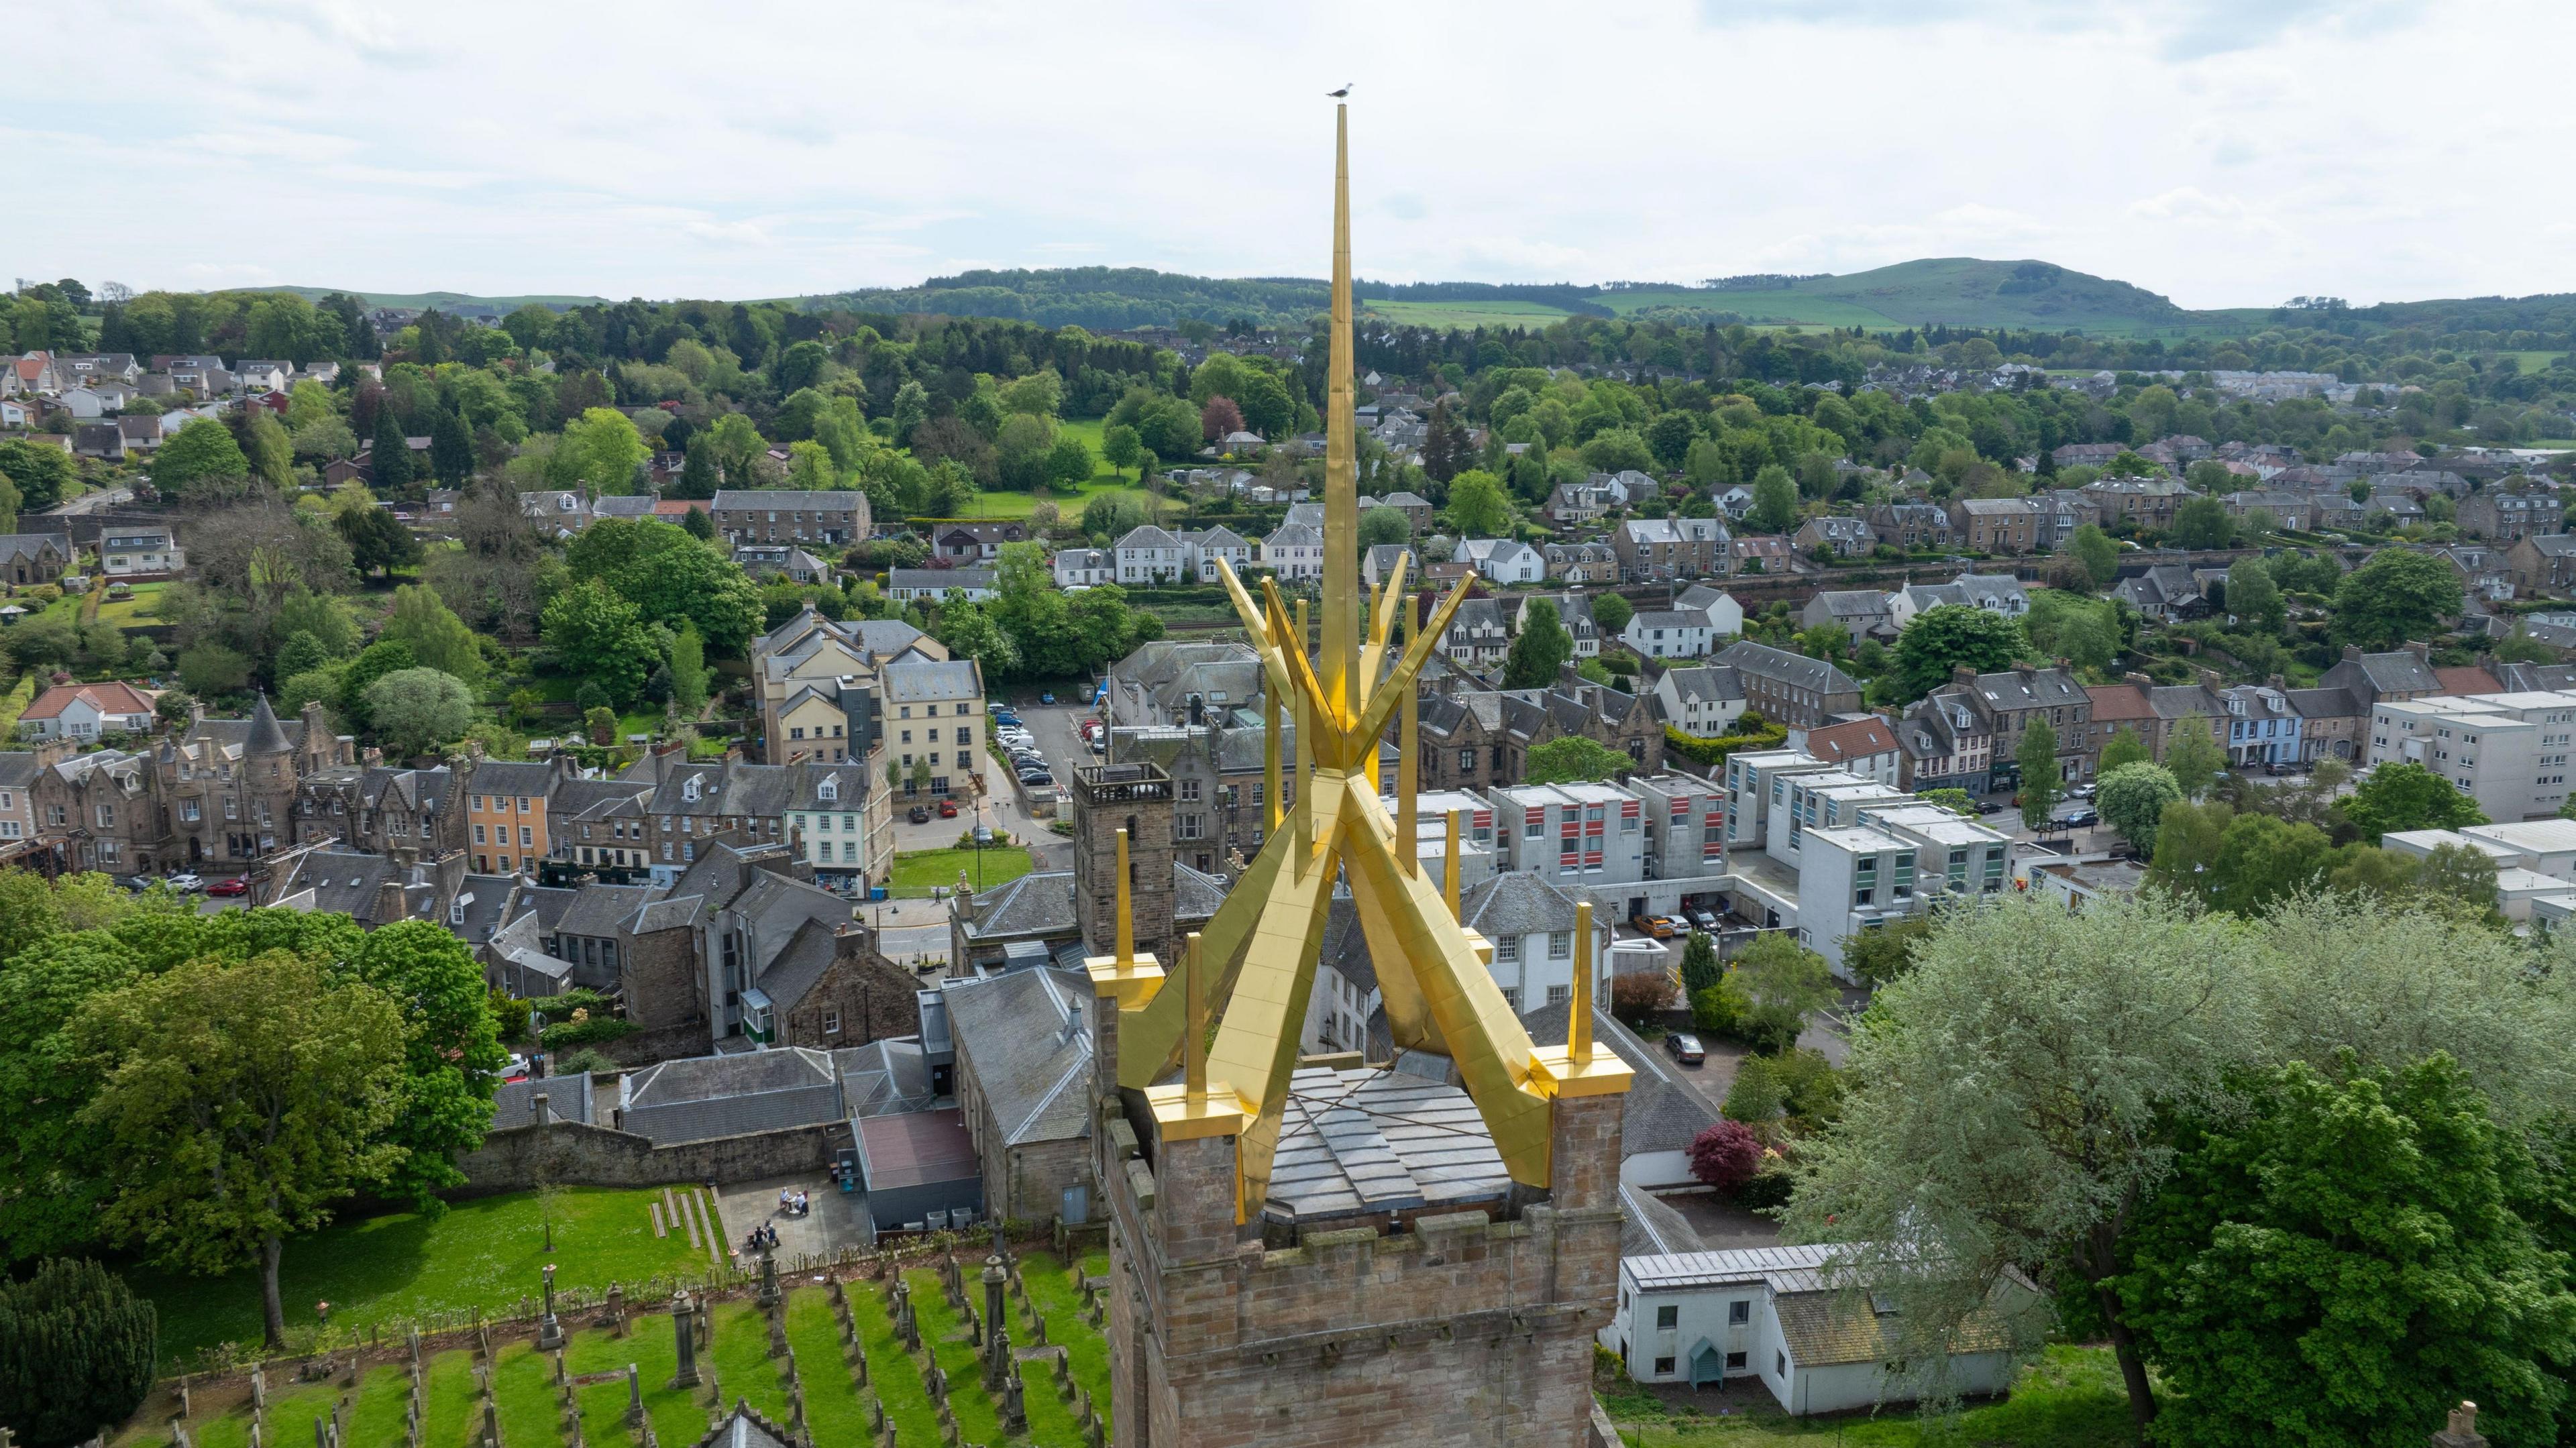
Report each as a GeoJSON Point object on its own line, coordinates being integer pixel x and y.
{"type": "Point", "coordinates": [2462, 1430]}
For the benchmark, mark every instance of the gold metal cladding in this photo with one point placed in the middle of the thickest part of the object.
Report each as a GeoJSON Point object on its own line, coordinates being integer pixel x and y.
{"type": "Point", "coordinates": [1126, 908]}
{"type": "Point", "coordinates": [1578, 1068]}
{"type": "Point", "coordinates": [1578, 1021]}
{"type": "Point", "coordinates": [1129, 977]}
{"type": "Point", "coordinates": [1252, 969]}
{"type": "Point", "coordinates": [1449, 862]}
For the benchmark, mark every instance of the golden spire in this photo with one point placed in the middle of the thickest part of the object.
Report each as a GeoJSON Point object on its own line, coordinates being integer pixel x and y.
{"type": "Point", "coordinates": [1337, 668]}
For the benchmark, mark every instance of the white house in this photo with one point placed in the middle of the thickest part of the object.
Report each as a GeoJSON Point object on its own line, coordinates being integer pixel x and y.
{"type": "Point", "coordinates": [1295, 551]}
{"type": "Point", "coordinates": [909, 585]}
{"type": "Point", "coordinates": [1781, 1314]}
{"type": "Point", "coordinates": [1725, 615]}
{"type": "Point", "coordinates": [86, 711]}
{"type": "Point", "coordinates": [1700, 700]}
{"type": "Point", "coordinates": [1149, 555]}
{"type": "Point", "coordinates": [1210, 544]}
{"type": "Point", "coordinates": [1085, 567]}
{"type": "Point", "coordinates": [1502, 560]}
{"type": "Point", "coordinates": [1670, 634]}
{"type": "Point", "coordinates": [140, 550]}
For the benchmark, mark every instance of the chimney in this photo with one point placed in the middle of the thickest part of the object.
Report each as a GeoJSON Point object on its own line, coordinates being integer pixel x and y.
{"type": "Point", "coordinates": [2137, 681]}
{"type": "Point", "coordinates": [390, 904]}
{"type": "Point", "coordinates": [2209, 678]}
{"type": "Point", "coordinates": [2026, 670]}
{"type": "Point", "coordinates": [2462, 1430]}
{"type": "Point", "coordinates": [1962, 674]}
{"type": "Point", "coordinates": [2420, 649]}
{"type": "Point", "coordinates": [52, 750]}
{"type": "Point", "coordinates": [2351, 652]}
{"type": "Point", "coordinates": [371, 756]}
{"type": "Point", "coordinates": [540, 1108]}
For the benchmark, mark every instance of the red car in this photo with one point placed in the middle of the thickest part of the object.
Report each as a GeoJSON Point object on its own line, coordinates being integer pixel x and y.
{"type": "Point", "coordinates": [237, 885]}
{"type": "Point", "coordinates": [948, 809]}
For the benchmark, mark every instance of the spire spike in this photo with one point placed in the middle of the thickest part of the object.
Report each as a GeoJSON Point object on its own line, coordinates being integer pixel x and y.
{"type": "Point", "coordinates": [1578, 1020]}
{"type": "Point", "coordinates": [1338, 666]}
{"type": "Point", "coordinates": [1126, 912]}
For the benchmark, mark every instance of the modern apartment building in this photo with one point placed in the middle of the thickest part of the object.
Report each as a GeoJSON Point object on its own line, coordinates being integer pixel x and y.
{"type": "Point", "coordinates": [2509, 752]}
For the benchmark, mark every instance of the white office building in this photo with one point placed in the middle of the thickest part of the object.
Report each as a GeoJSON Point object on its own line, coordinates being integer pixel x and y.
{"type": "Point", "coordinates": [2509, 752]}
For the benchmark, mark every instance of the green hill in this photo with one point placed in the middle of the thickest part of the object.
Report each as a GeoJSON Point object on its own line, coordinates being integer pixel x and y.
{"type": "Point", "coordinates": [1950, 291]}
{"type": "Point", "coordinates": [444, 301]}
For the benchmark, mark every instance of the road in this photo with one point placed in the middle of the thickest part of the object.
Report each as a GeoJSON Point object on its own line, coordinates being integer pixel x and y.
{"type": "Point", "coordinates": [94, 502]}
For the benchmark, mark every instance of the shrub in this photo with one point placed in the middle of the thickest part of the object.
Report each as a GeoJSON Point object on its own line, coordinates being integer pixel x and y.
{"type": "Point", "coordinates": [1636, 997]}
{"type": "Point", "coordinates": [1726, 1155]}
{"type": "Point", "coordinates": [1720, 1009]}
{"type": "Point", "coordinates": [1715, 751]}
{"type": "Point", "coordinates": [589, 1031]}
{"type": "Point", "coordinates": [1757, 1097]}
{"type": "Point", "coordinates": [76, 1351]}
{"type": "Point", "coordinates": [1769, 1189]}
{"type": "Point", "coordinates": [580, 1062]}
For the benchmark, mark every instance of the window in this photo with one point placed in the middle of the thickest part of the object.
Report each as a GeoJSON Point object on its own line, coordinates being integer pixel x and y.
{"type": "Point", "coordinates": [1560, 944]}
{"type": "Point", "coordinates": [1557, 994]}
{"type": "Point", "coordinates": [831, 1023]}
{"type": "Point", "coordinates": [1668, 1315]}
{"type": "Point", "coordinates": [1508, 948]}
{"type": "Point", "coordinates": [1663, 1366]}
{"type": "Point", "coordinates": [527, 838]}
{"type": "Point", "coordinates": [1738, 1313]}
{"type": "Point", "coordinates": [478, 835]}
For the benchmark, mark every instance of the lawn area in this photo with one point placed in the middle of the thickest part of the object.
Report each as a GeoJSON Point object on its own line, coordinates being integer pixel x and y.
{"type": "Point", "coordinates": [1466, 316]}
{"type": "Point", "coordinates": [1106, 481]}
{"type": "Point", "coordinates": [143, 607]}
{"type": "Point", "coordinates": [834, 1408]}
{"type": "Point", "coordinates": [1058, 1298]}
{"type": "Point", "coordinates": [744, 1368]}
{"type": "Point", "coordinates": [2070, 1398]}
{"type": "Point", "coordinates": [484, 1253]}
{"type": "Point", "coordinates": [916, 871]}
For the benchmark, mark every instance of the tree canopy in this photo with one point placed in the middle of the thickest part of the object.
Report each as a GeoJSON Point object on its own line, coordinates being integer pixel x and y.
{"type": "Point", "coordinates": [1942, 638]}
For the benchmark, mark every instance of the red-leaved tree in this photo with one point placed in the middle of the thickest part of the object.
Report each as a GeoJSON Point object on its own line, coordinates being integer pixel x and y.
{"type": "Point", "coordinates": [1726, 1155]}
{"type": "Point", "coordinates": [1218, 418]}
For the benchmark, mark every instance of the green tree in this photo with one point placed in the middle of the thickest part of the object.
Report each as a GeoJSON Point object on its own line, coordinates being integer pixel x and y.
{"type": "Point", "coordinates": [43, 475]}
{"type": "Point", "coordinates": [2123, 747]}
{"type": "Point", "coordinates": [1382, 526]}
{"type": "Point", "coordinates": [1573, 759]}
{"type": "Point", "coordinates": [2402, 796]}
{"type": "Point", "coordinates": [318, 614]}
{"type": "Point", "coordinates": [699, 477]}
{"type": "Point", "coordinates": [378, 542]}
{"type": "Point", "coordinates": [1542, 649]}
{"type": "Point", "coordinates": [76, 1353]}
{"type": "Point", "coordinates": [2203, 523]}
{"type": "Point", "coordinates": [1956, 801]}
{"type": "Point", "coordinates": [411, 710]}
{"type": "Point", "coordinates": [1884, 952]}
{"type": "Point", "coordinates": [600, 448]}
{"type": "Point", "coordinates": [209, 669]}
{"type": "Point", "coordinates": [2099, 555]}
{"type": "Point", "coordinates": [244, 1101]}
{"type": "Point", "coordinates": [1069, 462]}
{"type": "Point", "coordinates": [373, 663]}
{"type": "Point", "coordinates": [2193, 756]}
{"type": "Point", "coordinates": [389, 465]}
{"type": "Point", "coordinates": [2188, 839]}
{"type": "Point", "coordinates": [1757, 1096]}
{"type": "Point", "coordinates": [451, 449]}
{"type": "Point", "coordinates": [601, 637]}
{"type": "Point", "coordinates": [2253, 597]}
{"type": "Point", "coordinates": [1121, 445]}
{"type": "Point", "coordinates": [688, 672]}
{"type": "Point", "coordinates": [2262, 860]}
{"type": "Point", "coordinates": [199, 456]}
{"type": "Point", "coordinates": [1700, 968]}
{"type": "Point", "coordinates": [452, 1057]}
{"type": "Point", "coordinates": [2133, 799]}
{"type": "Point", "coordinates": [437, 637]}
{"type": "Point", "coordinates": [1786, 983]}
{"type": "Point", "coordinates": [970, 632]}
{"type": "Point", "coordinates": [1775, 501]}
{"type": "Point", "coordinates": [2289, 1270]}
{"type": "Point", "coordinates": [2041, 781]}
{"type": "Point", "coordinates": [1940, 639]}
{"type": "Point", "coordinates": [1610, 614]}
{"type": "Point", "coordinates": [1479, 507]}
{"type": "Point", "coordinates": [2396, 596]}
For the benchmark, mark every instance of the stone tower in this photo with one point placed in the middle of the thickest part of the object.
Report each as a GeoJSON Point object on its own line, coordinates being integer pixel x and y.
{"type": "Point", "coordinates": [1136, 798]}
{"type": "Point", "coordinates": [269, 771]}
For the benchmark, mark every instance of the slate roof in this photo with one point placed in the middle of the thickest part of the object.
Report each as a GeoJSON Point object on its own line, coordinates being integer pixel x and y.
{"type": "Point", "coordinates": [1032, 906]}
{"type": "Point", "coordinates": [1708, 683]}
{"type": "Point", "coordinates": [1513, 903]}
{"type": "Point", "coordinates": [1023, 1035]}
{"type": "Point", "coordinates": [787, 498]}
{"type": "Point", "coordinates": [1368, 1141]}
{"type": "Point", "coordinates": [567, 1099]}
{"type": "Point", "coordinates": [1796, 670]}
{"type": "Point", "coordinates": [884, 1076]}
{"type": "Point", "coordinates": [703, 1097]}
{"type": "Point", "coordinates": [2322, 703]}
{"type": "Point", "coordinates": [911, 681]}
{"type": "Point", "coordinates": [1660, 1113]}
{"type": "Point", "coordinates": [2011, 689]}
{"type": "Point", "coordinates": [800, 963]}
{"type": "Point", "coordinates": [1853, 603]}
{"type": "Point", "coordinates": [2399, 671]}
{"type": "Point", "coordinates": [1648, 1227]}
{"type": "Point", "coordinates": [599, 910]}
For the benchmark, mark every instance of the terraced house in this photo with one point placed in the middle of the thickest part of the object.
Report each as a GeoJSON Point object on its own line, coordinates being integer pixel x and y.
{"type": "Point", "coordinates": [817, 684]}
{"type": "Point", "coordinates": [772, 515]}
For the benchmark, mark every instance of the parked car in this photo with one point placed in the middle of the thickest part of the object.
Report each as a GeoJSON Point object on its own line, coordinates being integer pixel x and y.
{"type": "Point", "coordinates": [1099, 745]}
{"type": "Point", "coordinates": [1005, 717]}
{"type": "Point", "coordinates": [189, 884]}
{"type": "Point", "coordinates": [948, 809]}
{"type": "Point", "coordinates": [2082, 819]}
{"type": "Point", "coordinates": [1704, 921]}
{"type": "Point", "coordinates": [136, 883]}
{"type": "Point", "coordinates": [1661, 927]}
{"type": "Point", "coordinates": [1990, 807]}
{"type": "Point", "coordinates": [919, 814]}
{"type": "Point", "coordinates": [1685, 1048]}
{"type": "Point", "coordinates": [237, 885]}
{"type": "Point", "coordinates": [1046, 696]}
{"type": "Point", "coordinates": [2081, 791]}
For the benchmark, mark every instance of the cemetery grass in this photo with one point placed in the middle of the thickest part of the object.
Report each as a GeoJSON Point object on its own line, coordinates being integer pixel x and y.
{"type": "Point", "coordinates": [523, 1392]}
{"type": "Point", "coordinates": [1057, 1296]}
{"type": "Point", "coordinates": [943, 1336]}
{"type": "Point", "coordinates": [2070, 1398]}
{"type": "Point", "coordinates": [892, 1373]}
{"type": "Point", "coordinates": [744, 1368]}
{"type": "Point", "coordinates": [649, 1344]}
{"type": "Point", "coordinates": [483, 1253]}
{"type": "Point", "coordinates": [835, 1409]}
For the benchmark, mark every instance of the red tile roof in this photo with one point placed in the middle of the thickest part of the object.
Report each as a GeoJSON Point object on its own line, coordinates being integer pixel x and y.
{"type": "Point", "coordinates": [2468, 679]}
{"type": "Point", "coordinates": [2114, 702]}
{"type": "Point", "coordinates": [112, 697]}
{"type": "Point", "coordinates": [1859, 739]}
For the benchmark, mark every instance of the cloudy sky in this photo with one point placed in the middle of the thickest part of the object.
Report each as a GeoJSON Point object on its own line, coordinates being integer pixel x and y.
{"type": "Point", "coordinates": [2224, 152]}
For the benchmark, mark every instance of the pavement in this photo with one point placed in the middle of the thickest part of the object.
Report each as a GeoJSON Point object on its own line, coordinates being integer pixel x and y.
{"type": "Point", "coordinates": [834, 1219]}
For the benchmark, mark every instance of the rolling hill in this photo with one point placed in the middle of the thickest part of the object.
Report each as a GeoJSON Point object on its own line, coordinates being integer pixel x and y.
{"type": "Point", "coordinates": [444, 301]}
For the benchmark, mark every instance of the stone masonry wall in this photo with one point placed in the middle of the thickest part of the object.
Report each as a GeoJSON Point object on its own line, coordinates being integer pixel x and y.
{"type": "Point", "coordinates": [573, 1153]}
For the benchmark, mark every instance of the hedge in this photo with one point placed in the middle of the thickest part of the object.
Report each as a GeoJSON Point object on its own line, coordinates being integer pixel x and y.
{"type": "Point", "coordinates": [591, 1032]}
{"type": "Point", "coordinates": [1715, 751]}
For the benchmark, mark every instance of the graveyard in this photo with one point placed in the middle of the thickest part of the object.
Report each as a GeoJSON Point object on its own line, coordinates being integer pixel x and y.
{"type": "Point", "coordinates": [945, 1347]}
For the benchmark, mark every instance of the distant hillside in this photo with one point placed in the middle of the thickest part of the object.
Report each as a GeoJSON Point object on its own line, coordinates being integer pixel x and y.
{"type": "Point", "coordinates": [1953, 291]}
{"type": "Point", "coordinates": [444, 301]}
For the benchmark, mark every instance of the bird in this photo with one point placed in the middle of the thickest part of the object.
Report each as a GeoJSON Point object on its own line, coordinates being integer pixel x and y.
{"type": "Point", "coordinates": [1339, 94]}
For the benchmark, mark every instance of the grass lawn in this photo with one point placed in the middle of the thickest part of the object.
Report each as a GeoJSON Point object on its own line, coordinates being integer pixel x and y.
{"type": "Point", "coordinates": [744, 1368]}
{"type": "Point", "coordinates": [523, 1393]}
{"type": "Point", "coordinates": [2071, 1398]}
{"type": "Point", "coordinates": [893, 1375]}
{"type": "Point", "coordinates": [943, 1335]}
{"type": "Point", "coordinates": [1105, 481]}
{"type": "Point", "coordinates": [916, 871]}
{"type": "Point", "coordinates": [14, 703]}
{"type": "Point", "coordinates": [650, 1344]}
{"type": "Point", "coordinates": [835, 1408]}
{"type": "Point", "coordinates": [1464, 316]}
{"type": "Point", "coordinates": [143, 607]}
{"type": "Point", "coordinates": [482, 1253]}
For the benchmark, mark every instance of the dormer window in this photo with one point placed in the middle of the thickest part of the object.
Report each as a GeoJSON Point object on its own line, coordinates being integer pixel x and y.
{"type": "Point", "coordinates": [689, 789]}
{"type": "Point", "coordinates": [828, 789]}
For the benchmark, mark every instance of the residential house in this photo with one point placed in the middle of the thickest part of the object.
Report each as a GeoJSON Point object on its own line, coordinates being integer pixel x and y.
{"type": "Point", "coordinates": [1859, 612]}
{"type": "Point", "coordinates": [1909, 525]}
{"type": "Point", "coordinates": [1701, 700]}
{"type": "Point", "coordinates": [131, 551]}
{"type": "Point", "coordinates": [2373, 679]}
{"type": "Point", "coordinates": [1840, 536]}
{"type": "Point", "coordinates": [1417, 509]}
{"type": "Point", "coordinates": [1791, 689]}
{"type": "Point", "coordinates": [1947, 744]}
{"type": "Point", "coordinates": [506, 807]}
{"type": "Point", "coordinates": [2286, 509]}
{"type": "Point", "coordinates": [98, 440]}
{"type": "Point", "coordinates": [83, 712]}
{"type": "Point", "coordinates": [2148, 503]}
{"type": "Point", "coordinates": [2542, 564]}
{"type": "Point", "coordinates": [815, 683]}
{"type": "Point", "coordinates": [1502, 561]}
{"type": "Point", "coordinates": [1736, 500]}
{"type": "Point", "coordinates": [2260, 728]}
{"type": "Point", "coordinates": [1573, 611]}
{"type": "Point", "coordinates": [780, 560]}
{"type": "Point", "coordinates": [1293, 551]}
{"type": "Point", "coordinates": [1866, 747]}
{"type": "Point", "coordinates": [1651, 549]}
{"type": "Point", "coordinates": [2008, 702]}
{"type": "Point", "coordinates": [769, 515]}
{"type": "Point", "coordinates": [1085, 567]}
{"type": "Point", "coordinates": [2087, 454]}
{"type": "Point", "coordinates": [27, 559]}
{"type": "Point", "coordinates": [1023, 1083]}
{"type": "Point", "coordinates": [2151, 710]}
{"type": "Point", "coordinates": [1379, 563]}
{"type": "Point", "coordinates": [1177, 681]}
{"type": "Point", "coordinates": [2507, 514]}
{"type": "Point", "coordinates": [1669, 634]}
{"type": "Point", "coordinates": [975, 542]}
{"type": "Point", "coordinates": [2166, 591]}
{"type": "Point", "coordinates": [1581, 562]}
{"type": "Point", "coordinates": [1475, 739]}
{"type": "Point", "coordinates": [2061, 512]}
{"type": "Point", "coordinates": [1212, 547]}
{"type": "Point", "coordinates": [1479, 638]}
{"type": "Point", "coordinates": [943, 701]}
{"type": "Point", "coordinates": [2508, 752]}
{"type": "Point", "coordinates": [909, 585]}
{"type": "Point", "coordinates": [1725, 615]}
{"type": "Point", "coordinates": [1994, 525]}
{"type": "Point", "coordinates": [1763, 553]}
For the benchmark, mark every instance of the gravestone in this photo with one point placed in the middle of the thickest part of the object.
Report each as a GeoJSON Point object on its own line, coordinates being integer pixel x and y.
{"type": "Point", "coordinates": [685, 1340]}
{"type": "Point", "coordinates": [634, 1397]}
{"type": "Point", "coordinates": [258, 1392]}
{"type": "Point", "coordinates": [997, 1336]}
{"type": "Point", "coordinates": [550, 1333]}
{"type": "Point", "coordinates": [767, 1297]}
{"type": "Point", "coordinates": [1015, 1413]}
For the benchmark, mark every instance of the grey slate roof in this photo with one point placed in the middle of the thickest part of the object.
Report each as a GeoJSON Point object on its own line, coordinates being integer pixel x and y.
{"type": "Point", "coordinates": [911, 681]}
{"type": "Point", "coordinates": [1797, 670]}
{"type": "Point", "coordinates": [1024, 1035]}
{"type": "Point", "coordinates": [1853, 602]}
{"type": "Point", "coordinates": [599, 910]}
{"type": "Point", "coordinates": [704, 1097]}
{"type": "Point", "coordinates": [1661, 1114]}
{"type": "Point", "coordinates": [785, 498]}
{"type": "Point", "coordinates": [567, 1099]}
{"type": "Point", "coordinates": [884, 1076]}
{"type": "Point", "coordinates": [1369, 1141]}
{"type": "Point", "coordinates": [1512, 903]}
{"type": "Point", "coordinates": [1708, 683]}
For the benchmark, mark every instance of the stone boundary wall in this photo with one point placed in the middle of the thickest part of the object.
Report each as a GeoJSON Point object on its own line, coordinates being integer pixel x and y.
{"type": "Point", "coordinates": [573, 1153]}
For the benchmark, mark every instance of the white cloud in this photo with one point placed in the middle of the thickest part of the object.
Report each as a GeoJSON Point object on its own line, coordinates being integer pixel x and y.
{"type": "Point", "coordinates": [634, 150]}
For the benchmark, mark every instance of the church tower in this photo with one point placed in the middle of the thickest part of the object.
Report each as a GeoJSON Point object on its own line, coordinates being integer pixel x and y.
{"type": "Point", "coordinates": [1412, 1253]}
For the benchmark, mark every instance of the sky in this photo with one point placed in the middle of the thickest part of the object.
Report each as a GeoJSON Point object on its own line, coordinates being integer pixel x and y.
{"type": "Point", "coordinates": [2222, 152]}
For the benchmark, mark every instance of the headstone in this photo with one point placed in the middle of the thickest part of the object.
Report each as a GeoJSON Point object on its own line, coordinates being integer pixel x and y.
{"type": "Point", "coordinates": [634, 1397]}
{"type": "Point", "coordinates": [617, 1310]}
{"type": "Point", "coordinates": [706, 1323]}
{"type": "Point", "coordinates": [187, 1405]}
{"type": "Point", "coordinates": [996, 1349]}
{"type": "Point", "coordinates": [768, 1294]}
{"type": "Point", "coordinates": [258, 1391]}
{"type": "Point", "coordinates": [491, 1420]}
{"type": "Point", "coordinates": [1015, 1412]}
{"type": "Point", "coordinates": [685, 1340]}
{"type": "Point", "coordinates": [997, 1362]}
{"type": "Point", "coordinates": [254, 1436]}
{"type": "Point", "coordinates": [179, 1437]}
{"type": "Point", "coordinates": [321, 1434]}
{"type": "Point", "coordinates": [413, 1334]}
{"type": "Point", "coordinates": [550, 1333]}
{"type": "Point", "coordinates": [560, 1379]}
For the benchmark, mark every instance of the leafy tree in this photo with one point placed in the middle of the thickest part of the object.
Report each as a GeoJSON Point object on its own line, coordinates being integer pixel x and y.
{"type": "Point", "coordinates": [1541, 650]}
{"type": "Point", "coordinates": [1956, 801]}
{"type": "Point", "coordinates": [1610, 614]}
{"type": "Point", "coordinates": [451, 448]}
{"type": "Point", "coordinates": [1122, 446]}
{"type": "Point", "coordinates": [2099, 555]}
{"type": "Point", "coordinates": [1381, 526]}
{"type": "Point", "coordinates": [1884, 952]}
{"type": "Point", "coordinates": [1725, 1154]}
{"type": "Point", "coordinates": [1938, 640]}
{"type": "Point", "coordinates": [2041, 780]}
{"type": "Point", "coordinates": [1617, 450]}
{"type": "Point", "coordinates": [601, 448]}
{"type": "Point", "coordinates": [2193, 757]}
{"type": "Point", "coordinates": [2404, 796]}
{"type": "Point", "coordinates": [413, 709]}
{"type": "Point", "coordinates": [601, 637]}
{"type": "Point", "coordinates": [2312, 1259]}
{"type": "Point", "coordinates": [1757, 1097]}
{"type": "Point", "coordinates": [971, 632]}
{"type": "Point", "coordinates": [2394, 597]}
{"type": "Point", "coordinates": [1787, 982]}
{"type": "Point", "coordinates": [209, 669]}
{"type": "Point", "coordinates": [452, 1057]}
{"type": "Point", "coordinates": [1218, 418]}
{"type": "Point", "coordinates": [198, 456]}
{"type": "Point", "coordinates": [2262, 860]}
{"type": "Point", "coordinates": [319, 614]}
{"type": "Point", "coordinates": [389, 458]}
{"type": "Point", "coordinates": [2133, 799]}
{"type": "Point", "coordinates": [698, 524]}
{"type": "Point", "coordinates": [1479, 507]}
{"type": "Point", "coordinates": [378, 542]}
{"type": "Point", "coordinates": [2123, 747]}
{"type": "Point", "coordinates": [1573, 759]}
{"type": "Point", "coordinates": [43, 474]}
{"type": "Point", "coordinates": [374, 662]}
{"type": "Point", "coordinates": [2203, 523]}
{"type": "Point", "coordinates": [437, 637]}
{"type": "Point", "coordinates": [1069, 463]}
{"type": "Point", "coordinates": [1775, 501]}
{"type": "Point", "coordinates": [76, 1352]}
{"type": "Point", "coordinates": [1700, 968]}
{"type": "Point", "coordinates": [688, 672]}
{"type": "Point", "coordinates": [244, 1100]}
{"type": "Point", "coordinates": [2252, 596]}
